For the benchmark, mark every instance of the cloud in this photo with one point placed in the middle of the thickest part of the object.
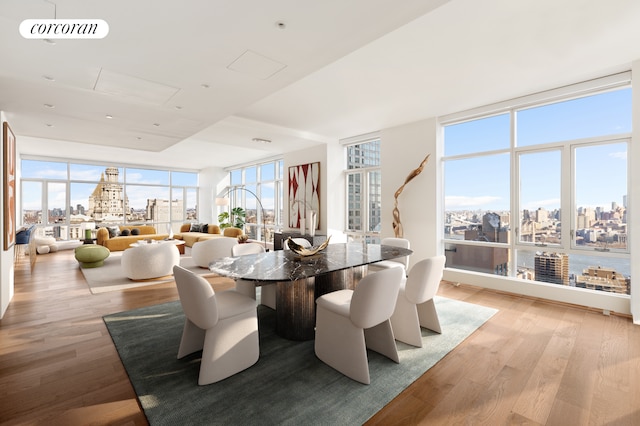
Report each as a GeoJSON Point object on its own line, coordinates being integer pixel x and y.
{"type": "Point", "coordinates": [621, 155]}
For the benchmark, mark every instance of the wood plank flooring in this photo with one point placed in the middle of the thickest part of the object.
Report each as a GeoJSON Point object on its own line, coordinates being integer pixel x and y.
{"type": "Point", "coordinates": [533, 363]}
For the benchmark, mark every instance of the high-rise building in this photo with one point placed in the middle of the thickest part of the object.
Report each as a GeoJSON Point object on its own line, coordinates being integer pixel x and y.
{"type": "Point", "coordinates": [603, 279]}
{"type": "Point", "coordinates": [158, 210]}
{"type": "Point", "coordinates": [108, 201]}
{"type": "Point", "coordinates": [552, 268]}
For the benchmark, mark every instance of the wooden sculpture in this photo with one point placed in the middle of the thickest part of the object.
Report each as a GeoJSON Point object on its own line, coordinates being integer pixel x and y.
{"type": "Point", "coordinates": [397, 225]}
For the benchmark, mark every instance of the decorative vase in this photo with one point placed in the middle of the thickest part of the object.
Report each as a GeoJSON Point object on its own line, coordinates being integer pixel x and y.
{"type": "Point", "coordinates": [87, 234]}
{"type": "Point", "coordinates": [312, 219]}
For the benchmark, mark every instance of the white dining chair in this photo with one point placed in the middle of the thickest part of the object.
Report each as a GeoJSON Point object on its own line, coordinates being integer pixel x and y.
{"type": "Point", "coordinates": [204, 252]}
{"type": "Point", "coordinates": [350, 321]}
{"type": "Point", "coordinates": [224, 325]}
{"type": "Point", "coordinates": [248, 288]}
{"type": "Point", "coordinates": [415, 307]}
{"type": "Point", "coordinates": [400, 262]}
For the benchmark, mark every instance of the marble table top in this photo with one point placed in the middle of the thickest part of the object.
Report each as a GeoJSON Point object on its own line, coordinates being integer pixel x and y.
{"type": "Point", "coordinates": [285, 265]}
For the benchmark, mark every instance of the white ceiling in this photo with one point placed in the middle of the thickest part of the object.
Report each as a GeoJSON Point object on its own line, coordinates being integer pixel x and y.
{"type": "Point", "coordinates": [190, 84]}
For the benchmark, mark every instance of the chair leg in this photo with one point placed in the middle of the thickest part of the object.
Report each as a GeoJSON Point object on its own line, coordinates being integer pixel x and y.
{"type": "Point", "coordinates": [380, 339]}
{"type": "Point", "coordinates": [341, 345]}
{"type": "Point", "coordinates": [192, 339]}
{"type": "Point", "coordinates": [429, 316]}
{"type": "Point", "coordinates": [230, 347]}
{"type": "Point", "coordinates": [405, 322]}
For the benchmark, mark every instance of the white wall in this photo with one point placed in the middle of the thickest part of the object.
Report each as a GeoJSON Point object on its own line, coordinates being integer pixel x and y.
{"type": "Point", "coordinates": [402, 150]}
{"type": "Point", "coordinates": [212, 181]}
{"type": "Point", "coordinates": [6, 257]}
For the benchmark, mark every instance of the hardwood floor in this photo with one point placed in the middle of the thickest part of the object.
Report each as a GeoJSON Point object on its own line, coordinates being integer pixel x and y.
{"type": "Point", "coordinates": [534, 362]}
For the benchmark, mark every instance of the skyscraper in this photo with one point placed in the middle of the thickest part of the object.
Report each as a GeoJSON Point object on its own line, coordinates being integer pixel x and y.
{"type": "Point", "coordinates": [107, 200]}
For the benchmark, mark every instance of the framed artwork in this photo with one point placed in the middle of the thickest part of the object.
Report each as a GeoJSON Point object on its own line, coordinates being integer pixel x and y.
{"type": "Point", "coordinates": [304, 194]}
{"type": "Point", "coordinates": [9, 189]}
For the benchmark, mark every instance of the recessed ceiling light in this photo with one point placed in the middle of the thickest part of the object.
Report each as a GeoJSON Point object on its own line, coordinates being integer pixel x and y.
{"type": "Point", "coordinates": [260, 140]}
{"type": "Point", "coordinates": [178, 107]}
{"type": "Point", "coordinates": [48, 78]}
{"type": "Point", "coordinates": [205, 86]}
{"type": "Point", "coordinates": [49, 106]}
{"type": "Point", "coordinates": [49, 125]}
{"type": "Point", "coordinates": [281, 25]}
{"type": "Point", "coordinates": [156, 124]}
{"type": "Point", "coordinates": [108, 116]}
{"type": "Point", "coordinates": [49, 41]}
{"type": "Point", "coordinates": [139, 138]}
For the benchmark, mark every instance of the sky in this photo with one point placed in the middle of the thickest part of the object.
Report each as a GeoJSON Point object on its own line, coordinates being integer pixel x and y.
{"type": "Point", "coordinates": [482, 183]}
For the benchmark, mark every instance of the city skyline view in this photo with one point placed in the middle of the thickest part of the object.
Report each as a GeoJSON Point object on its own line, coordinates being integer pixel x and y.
{"type": "Point", "coordinates": [551, 177]}
{"type": "Point", "coordinates": [153, 184]}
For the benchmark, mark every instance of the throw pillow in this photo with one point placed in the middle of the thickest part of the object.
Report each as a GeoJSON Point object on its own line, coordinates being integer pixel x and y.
{"type": "Point", "coordinates": [113, 231]}
{"type": "Point", "coordinates": [135, 231]}
{"type": "Point", "coordinates": [125, 232]}
{"type": "Point", "coordinates": [199, 227]}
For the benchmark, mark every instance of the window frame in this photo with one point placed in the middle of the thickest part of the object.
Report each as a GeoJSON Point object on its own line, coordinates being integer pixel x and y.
{"type": "Point", "coordinates": [364, 234]}
{"type": "Point", "coordinates": [567, 184]}
{"type": "Point", "coordinates": [72, 232]}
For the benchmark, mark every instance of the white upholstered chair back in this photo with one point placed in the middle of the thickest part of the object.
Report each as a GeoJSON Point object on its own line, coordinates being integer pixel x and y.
{"type": "Point", "coordinates": [204, 252]}
{"type": "Point", "coordinates": [374, 298]}
{"type": "Point", "coordinates": [247, 248]}
{"type": "Point", "coordinates": [424, 279]}
{"type": "Point", "coordinates": [197, 298]}
{"type": "Point", "coordinates": [415, 306]}
{"type": "Point", "coordinates": [398, 242]}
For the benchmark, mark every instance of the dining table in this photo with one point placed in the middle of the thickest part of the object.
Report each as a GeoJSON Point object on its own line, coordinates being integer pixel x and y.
{"type": "Point", "coordinates": [300, 280]}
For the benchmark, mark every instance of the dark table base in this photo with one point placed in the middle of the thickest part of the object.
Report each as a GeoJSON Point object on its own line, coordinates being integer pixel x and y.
{"type": "Point", "coordinates": [296, 300]}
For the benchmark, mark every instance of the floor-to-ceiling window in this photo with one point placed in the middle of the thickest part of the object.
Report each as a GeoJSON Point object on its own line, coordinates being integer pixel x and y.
{"type": "Point", "coordinates": [363, 180]}
{"type": "Point", "coordinates": [62, 196]}
{"type": "Point", "coordinates": [537, 188]}
{"type": "Point", "coordinates": [258, 190]}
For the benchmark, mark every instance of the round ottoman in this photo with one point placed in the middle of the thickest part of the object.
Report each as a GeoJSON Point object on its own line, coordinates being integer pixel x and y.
{"type": "Point", "coordinates": [91, 255]}
{"type": "Point", "coordinates": [150, 261]}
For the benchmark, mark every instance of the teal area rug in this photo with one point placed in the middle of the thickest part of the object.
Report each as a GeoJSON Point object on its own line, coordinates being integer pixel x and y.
{"type": "Point", "coordinates": [288, 385]}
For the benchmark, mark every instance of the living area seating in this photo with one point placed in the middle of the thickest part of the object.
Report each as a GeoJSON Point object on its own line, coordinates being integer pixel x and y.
{"type": "Point", "coordinates": [415, 306]}
{"type": "Point", "coordinates": [224, 325]}
{"type": "Point", "coordinates": [203, 252]}
{"type": "Point", "coordinates": [122, 242]}
{"type": "Point", "coordinates": [91, 255]}
{"type": "Point", "coordinates": [148, 261]}
{"type": "Point", "coordinates": [350, 321]}
{"type": "Point", "coordinates": [192, 233]}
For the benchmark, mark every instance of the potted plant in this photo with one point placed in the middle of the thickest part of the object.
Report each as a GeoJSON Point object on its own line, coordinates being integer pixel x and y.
{"type": "Point", "coordinates": [235, 218]}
